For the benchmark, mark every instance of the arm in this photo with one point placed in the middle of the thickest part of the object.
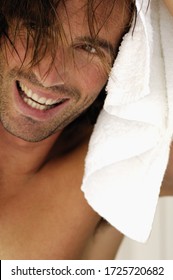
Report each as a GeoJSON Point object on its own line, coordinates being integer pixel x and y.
{"type": "Point", "coordinates": [104, 244]}
{"type": "Point", "coordinates": [167, 184]}
{"type": "Point", "coordinates": [169, 4]}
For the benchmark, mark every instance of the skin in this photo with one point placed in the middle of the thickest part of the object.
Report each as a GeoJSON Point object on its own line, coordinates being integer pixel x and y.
{"type": "Point", "coordinates": [43, 212]}
{"type": "Point", "coordinates": [77, 74]}
{"type": "Point", "coordinates": [167, 185]}
{"type": "Point", "coordinates": [169, 4]}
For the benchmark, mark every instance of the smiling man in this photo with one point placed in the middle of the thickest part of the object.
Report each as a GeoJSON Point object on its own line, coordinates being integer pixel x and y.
{"type": "Point", "coordinates": [54, 61]}
{"type": "Point", "coordinates": [50, 76]}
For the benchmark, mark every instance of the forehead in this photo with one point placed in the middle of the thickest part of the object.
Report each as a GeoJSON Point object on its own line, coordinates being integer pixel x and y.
{"type": "Point", "coordinates": [104, 15]}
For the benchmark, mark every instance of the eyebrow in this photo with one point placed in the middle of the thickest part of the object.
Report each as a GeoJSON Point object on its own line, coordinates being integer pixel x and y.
{"type": "Point", "coordinates": [99, 42]}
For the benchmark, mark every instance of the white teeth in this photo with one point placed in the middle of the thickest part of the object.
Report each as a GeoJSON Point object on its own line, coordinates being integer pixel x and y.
{"type": "Point", "coordinates": [50, 102]}
{"type": "Point", "coordinates": [29, 102]}
{"type": "Point", "coordinates": [29, 93]}
{"type": "Point", "coordinates": [42, 100]}
{"type": "Point", "coordinates": [40, 103]}
{"type": "Point", "coordinates": [35, 97]}
{"type": "Point", "coordinates": [34, 105]}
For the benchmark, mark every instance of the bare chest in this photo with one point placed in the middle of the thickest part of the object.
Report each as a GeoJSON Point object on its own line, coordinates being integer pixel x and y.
{"type": "Point", "coordinates": [45, 222]}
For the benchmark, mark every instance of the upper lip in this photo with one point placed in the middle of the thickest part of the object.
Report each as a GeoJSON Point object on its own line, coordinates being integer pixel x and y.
{"type": "Point", "coordinates": [41, 97]}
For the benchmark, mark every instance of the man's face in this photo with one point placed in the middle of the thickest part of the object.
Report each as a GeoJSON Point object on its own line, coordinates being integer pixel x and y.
{"type": "Point", "coordinates": [36, 103]}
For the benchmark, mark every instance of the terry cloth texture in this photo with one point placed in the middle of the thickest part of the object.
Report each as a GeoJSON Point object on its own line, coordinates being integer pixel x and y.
{"type": "Point", "coordinates": [129, 148]}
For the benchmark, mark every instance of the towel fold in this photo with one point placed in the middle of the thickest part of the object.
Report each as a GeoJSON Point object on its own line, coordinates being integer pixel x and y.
{"type": "Point", "coordinates": [129, 148]}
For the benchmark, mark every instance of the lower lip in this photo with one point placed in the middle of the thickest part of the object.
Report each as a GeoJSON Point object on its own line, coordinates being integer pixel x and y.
{"type": "Point", "coordinates": [39, 115]}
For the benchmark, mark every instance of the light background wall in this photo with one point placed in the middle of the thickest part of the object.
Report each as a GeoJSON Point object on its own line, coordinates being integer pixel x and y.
{"type": "Point", "coordinates": [160, 242]}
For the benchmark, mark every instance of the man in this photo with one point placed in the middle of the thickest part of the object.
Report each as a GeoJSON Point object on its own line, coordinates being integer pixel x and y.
{"type": "Point", "coordinates": [54, 61]}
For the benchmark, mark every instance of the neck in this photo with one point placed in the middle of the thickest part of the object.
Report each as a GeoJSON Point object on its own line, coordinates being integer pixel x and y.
{"type": "Point", "coordinates": [20, 157]}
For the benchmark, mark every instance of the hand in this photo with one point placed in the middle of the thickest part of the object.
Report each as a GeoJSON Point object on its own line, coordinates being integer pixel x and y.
{"type": "Point", "coordinates": [169, 4]}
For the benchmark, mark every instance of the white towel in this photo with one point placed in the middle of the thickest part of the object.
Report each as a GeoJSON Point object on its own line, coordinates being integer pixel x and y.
{"type": "Point", "coordinates": [129, 148]}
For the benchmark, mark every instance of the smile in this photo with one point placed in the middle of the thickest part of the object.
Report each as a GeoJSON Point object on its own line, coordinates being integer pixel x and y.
{"type": "Point", "coordinates": [37, 102]}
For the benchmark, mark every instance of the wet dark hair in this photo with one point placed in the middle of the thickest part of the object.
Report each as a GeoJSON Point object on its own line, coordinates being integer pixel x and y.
{"type": "Point", "coordinates": [37, 17]}
{"type": "Point", "coordinates": [41, 21]}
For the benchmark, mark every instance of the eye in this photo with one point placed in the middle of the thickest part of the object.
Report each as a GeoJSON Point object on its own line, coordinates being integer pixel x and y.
{"type": "Point", "coordinates": [30, 25]}
{"type": "Point", "coordinates": [87, 48]}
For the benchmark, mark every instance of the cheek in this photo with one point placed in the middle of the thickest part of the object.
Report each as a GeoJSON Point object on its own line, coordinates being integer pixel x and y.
{"type": "Point", "coordinates": [15, 56]}
{"type": "Point", "coordinates": [92, 78]}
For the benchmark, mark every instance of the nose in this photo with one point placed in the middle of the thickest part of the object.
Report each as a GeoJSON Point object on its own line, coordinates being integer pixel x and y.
{"type": "Point", "coordinates": [50, 72]}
